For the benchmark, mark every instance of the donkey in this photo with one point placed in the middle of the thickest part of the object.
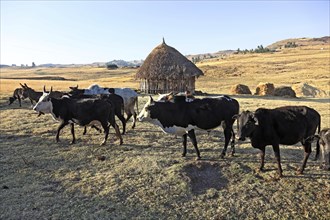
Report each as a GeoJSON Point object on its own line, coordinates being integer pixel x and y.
{"type": "Point", "coordinates": [19, 95]}
{"type": "Point", "coordinates": [31, 93]}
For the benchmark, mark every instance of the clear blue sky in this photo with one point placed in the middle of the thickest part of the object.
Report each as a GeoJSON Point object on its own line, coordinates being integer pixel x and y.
{"type": "Point", "coordinates": [99, 31]}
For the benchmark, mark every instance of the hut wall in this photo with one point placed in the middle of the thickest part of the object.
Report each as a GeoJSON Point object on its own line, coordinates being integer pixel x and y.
{"type": "Point", "coordinates": [165, 86]}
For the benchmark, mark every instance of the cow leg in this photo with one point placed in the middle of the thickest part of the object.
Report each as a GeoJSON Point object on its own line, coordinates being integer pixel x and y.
{"type": "Point", "coordinates": [72, 132]}
{"type": "Point", "coordinates": [116, 127]}
{"type": "Point", "coordinates": [276, 149]}
{"type": "Point", "coordinates": [134, 120]}
{"type": "Point", "coordinates": [184, 142]}
{"type": "Point", "coordinates": [192, 136]}
{"type": "Point", "coordinates": [122, 119]}
{"type": "Point", "coordinates": [227, 132]}
{"type": "Point", "coordinates": [317, 154]}
{"type": "Point", "coordinates": [85, 130]}
{"type": "Point", "coordinates": [60, 127]}
{"type": "Point", "coordinates": [232, 144]}
{"type": "Point", "coordinates": [262, 159]}
{"type": "Point", "coordinates": [96, 128]}
{"type": "Point", "coordinates": [106, 133]}
{"type": "Point", "coordinates": [308, 150]}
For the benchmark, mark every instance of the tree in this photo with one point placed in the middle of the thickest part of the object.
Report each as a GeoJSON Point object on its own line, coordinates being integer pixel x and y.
{"type": "Point", "coordinates": [111, 66]}
{"type": "Point", "coordinates": [33, 64]}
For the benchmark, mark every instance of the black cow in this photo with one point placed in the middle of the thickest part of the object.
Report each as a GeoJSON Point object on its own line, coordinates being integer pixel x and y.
{"type": "Point", "coordinates": [117, 102]}
{"type": "Point", "coordinates": [129, 96]}
{"type": "Point", "coordinates": [19, 95]}
{"type": "Point", "coordinates": [284, 125]}
{"type": "Point", "coordinates": [80, 111]}
{"type": "Point", "coordinates": [182, 118]}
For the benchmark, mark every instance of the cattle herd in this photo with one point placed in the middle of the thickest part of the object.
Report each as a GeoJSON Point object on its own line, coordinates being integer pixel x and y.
{"type": "Point", "coordinates": [182, 115]}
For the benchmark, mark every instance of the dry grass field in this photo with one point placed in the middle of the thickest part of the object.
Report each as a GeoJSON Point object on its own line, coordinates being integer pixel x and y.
{"type": "Point", "coordinates": [146, 177]}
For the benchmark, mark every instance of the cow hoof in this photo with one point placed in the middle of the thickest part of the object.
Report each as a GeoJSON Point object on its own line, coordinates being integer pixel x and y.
{"type": "Point", "coordinates": [198, 158]}
{"type": "Point", "coordinates": [103, 143]}
{"type": "Point", "coordinates": [222, 155]}
{"type": "Point", "coordinates": [72, 142]}
{"type": "Point", "coordinates": [183, 155]}
{"type": "Point", "coordinates": [121, 142]}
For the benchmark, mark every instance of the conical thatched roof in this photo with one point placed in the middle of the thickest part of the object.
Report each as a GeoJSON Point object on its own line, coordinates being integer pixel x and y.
{"type": "Point", "coordinates": [165, 62]}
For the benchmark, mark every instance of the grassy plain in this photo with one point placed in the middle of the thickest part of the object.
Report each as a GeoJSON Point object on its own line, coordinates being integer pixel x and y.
{"type": "Point", "coordinates": [146, 178]}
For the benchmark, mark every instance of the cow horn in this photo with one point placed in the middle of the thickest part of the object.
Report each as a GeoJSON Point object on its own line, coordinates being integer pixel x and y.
{"type": "Point", "coordinates": [22, 85]}
{"type": "Point", "coordinates": [44, 88]}
{"type": "Point", "coordinates": [235, 116]}
{"type": "Point", "coordinates": [51, 89]}
{"type": "Point", "coordinates": [150, 99]}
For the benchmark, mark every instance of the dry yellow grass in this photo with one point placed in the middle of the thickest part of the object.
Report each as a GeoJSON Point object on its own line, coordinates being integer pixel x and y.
{"type": "Point", "coordinates": [146, 178]}
{"type": "Point", "coordinates": [284, 68]}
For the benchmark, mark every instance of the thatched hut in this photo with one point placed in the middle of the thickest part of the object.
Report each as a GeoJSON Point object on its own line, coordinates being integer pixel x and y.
{"type": "Point", "coordinates": [166, 70]}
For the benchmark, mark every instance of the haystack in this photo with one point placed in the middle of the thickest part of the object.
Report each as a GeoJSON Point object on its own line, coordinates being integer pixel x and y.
{"type": "Point", "coordinates": [285, 91]}
{"type": "Point", "coordinates": [166, 70]}
{"type": "Point", "coordinates": [240, 89]}
{"type": "Point", "coordinates": [303, 89]}
{"type": "Point", "coordinates": [265, 89]}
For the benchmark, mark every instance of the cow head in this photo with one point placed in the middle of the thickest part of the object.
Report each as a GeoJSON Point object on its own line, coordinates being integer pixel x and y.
{"type": "Point", "coordinates": [44, 105]}
{"type": "Point", "coordinates": [145, 112]}
{"type": "Point", "coordinates": [246, 123]}
{"type": "Point", "coordinates": [75, 91]}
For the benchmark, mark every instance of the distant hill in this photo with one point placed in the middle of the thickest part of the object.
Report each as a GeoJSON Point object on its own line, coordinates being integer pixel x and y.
{"type": "Point", "coordinates": [203, 56]}
{"type": "Point", "coordinates": [300, 42]}
{"type": "Point", "coordinates": [123, 63]}
{"type": "Point", "coordinates": [293, 42]}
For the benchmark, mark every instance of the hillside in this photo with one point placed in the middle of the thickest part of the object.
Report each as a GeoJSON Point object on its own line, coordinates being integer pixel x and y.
{"type": "Point", "coordinates": [309, 63]}
{"type": "Point", "coordinates": [321, 41]}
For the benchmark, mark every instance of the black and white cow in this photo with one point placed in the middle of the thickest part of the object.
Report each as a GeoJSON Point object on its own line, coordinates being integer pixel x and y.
{"type": "Point", "coordinates": [286, 125]}
{"type": "Point", "coordinates": [79, 111]}
{"type": "Point", "coordinates": [182, 118]}
{"type": "Point", "coordinates": [130, 98]}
